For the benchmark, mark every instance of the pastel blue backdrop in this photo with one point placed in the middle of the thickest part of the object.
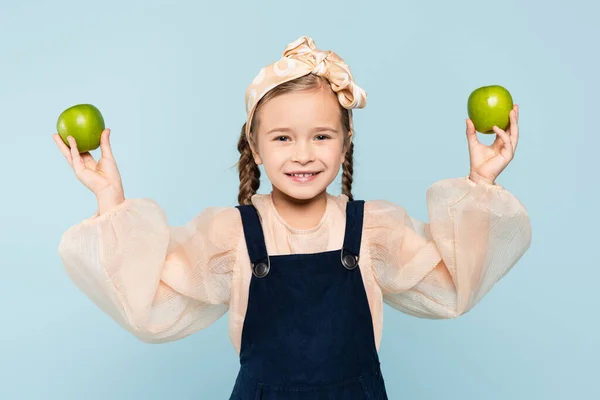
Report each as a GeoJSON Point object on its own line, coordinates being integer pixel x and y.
{"type": "Point", "coordinates": [170, 76]}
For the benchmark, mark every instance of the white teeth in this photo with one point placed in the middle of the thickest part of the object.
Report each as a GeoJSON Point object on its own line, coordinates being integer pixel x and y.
{"type": "Point", "coordinates": [302, 175]}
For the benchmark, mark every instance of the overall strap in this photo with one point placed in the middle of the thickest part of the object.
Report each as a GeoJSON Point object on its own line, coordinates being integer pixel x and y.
{"type": "Point", "coordinates": [255, 240]}
{"type": "Point", "coordinates": [353, 234]}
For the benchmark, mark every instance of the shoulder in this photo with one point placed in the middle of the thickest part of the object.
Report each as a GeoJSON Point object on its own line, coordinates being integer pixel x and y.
{"type": "Point", "coordinates": [383, 208]}
{"type": "Point", "coordinates": [379, 206]}
{"type": "Point", "coordinates": [262, 204]}
{"type": "Point", "coordinates": [216, 215]}
{"type": "Point", "coordinates": [377, 213]}
{"type": "Point", "coordinates": [217, 224]}
{"type": "Point", "coordinates": [383, 215]}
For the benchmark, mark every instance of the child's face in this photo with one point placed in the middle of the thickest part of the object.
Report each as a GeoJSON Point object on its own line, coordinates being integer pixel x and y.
{"type": "Point", "coordinates": [301, 132]}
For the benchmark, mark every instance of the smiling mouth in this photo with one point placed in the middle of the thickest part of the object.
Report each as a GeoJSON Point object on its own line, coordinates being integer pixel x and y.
{"type": "Point", "coordinates": [305, 175]}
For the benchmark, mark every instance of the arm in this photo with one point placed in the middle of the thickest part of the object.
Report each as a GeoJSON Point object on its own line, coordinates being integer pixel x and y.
{"type": "Point", "coordinates": [159, 282]}
{"type": "Point", "coordinates": [444, 268]}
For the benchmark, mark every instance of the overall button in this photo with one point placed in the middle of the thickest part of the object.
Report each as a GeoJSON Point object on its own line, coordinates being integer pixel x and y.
{"type": "Point", "coordinates": [261, 269]}
{"type": "Point", "coordinates": [349, 261]}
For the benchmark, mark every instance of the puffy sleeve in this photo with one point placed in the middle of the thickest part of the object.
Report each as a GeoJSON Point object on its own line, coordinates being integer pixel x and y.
{"type": "Point", "coordinates": [159, 282]}
{"type": "Point", "coordinates": [442, 269]}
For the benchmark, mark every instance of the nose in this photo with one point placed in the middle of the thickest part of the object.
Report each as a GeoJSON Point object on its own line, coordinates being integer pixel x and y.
{"type": "Point", "coordinates": [303, 152]}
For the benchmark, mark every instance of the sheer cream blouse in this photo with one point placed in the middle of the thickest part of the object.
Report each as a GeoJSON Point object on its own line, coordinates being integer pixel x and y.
{"type": "Point", "coordinates": [163, 282]}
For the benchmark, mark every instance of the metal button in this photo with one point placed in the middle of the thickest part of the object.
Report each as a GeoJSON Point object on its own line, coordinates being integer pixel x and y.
{"type": "Point", "coordinates": [349, 261]}
{"type": "Point", "coordinates": [261, 269]}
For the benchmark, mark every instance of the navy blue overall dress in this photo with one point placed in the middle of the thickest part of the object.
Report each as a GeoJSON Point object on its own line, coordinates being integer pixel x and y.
{"type": "Point", "coordinates": [308, 331]}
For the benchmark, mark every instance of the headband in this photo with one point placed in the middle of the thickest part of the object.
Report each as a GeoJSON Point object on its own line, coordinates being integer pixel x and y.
{"type": "Point", "coordinates": [301, 57]}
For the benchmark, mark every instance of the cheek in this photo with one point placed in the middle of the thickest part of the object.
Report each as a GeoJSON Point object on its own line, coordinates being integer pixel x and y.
{"type": "Point", "coordinates": [333, 154]}
{"type": "Point", "coordinates": [273, 155]}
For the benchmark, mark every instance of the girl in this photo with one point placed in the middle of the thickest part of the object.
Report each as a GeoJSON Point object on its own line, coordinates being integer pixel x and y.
{"type": "Point", "coordinates": [303, 273]}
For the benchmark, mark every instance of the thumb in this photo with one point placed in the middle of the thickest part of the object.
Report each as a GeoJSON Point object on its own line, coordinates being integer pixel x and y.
{"type": "Point", "coordinates": [105, 144]}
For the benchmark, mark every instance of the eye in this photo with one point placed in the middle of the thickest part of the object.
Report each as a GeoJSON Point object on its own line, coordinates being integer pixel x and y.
{"type": "Point", "coordinates": [323, 137]}
{"type": "Point", "coordinates": [281, 138]}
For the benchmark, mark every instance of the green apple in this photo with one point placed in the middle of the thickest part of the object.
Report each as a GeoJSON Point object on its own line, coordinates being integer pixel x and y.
{"type": "Point", "coordinates": [488, 106]}
{"type": "Point", "coordinates": [85, 123]}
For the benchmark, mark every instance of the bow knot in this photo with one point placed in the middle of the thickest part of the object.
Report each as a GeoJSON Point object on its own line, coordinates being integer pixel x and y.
{"type": "Point", "coordinates": [301, 57]}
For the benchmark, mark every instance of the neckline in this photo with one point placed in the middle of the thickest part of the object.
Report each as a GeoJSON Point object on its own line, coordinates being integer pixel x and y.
{"type": "Point", "coordinates": [301, 231]}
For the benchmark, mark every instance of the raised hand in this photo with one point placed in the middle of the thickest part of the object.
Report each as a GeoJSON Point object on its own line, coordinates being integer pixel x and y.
{"type": "Point", "coordinates": [102, 177]}
{"type": "Point", "coordinates": [487, 162]}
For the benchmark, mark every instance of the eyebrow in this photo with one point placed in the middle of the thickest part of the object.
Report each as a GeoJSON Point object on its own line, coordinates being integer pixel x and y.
{"type": "Point", "coordinates": [315, 129]}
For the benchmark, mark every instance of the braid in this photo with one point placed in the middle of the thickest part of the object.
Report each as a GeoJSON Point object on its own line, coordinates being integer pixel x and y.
{"type": "Point", "coordinates": [248, 171]}
{"type": "Point", "coordinates": [348, 169]}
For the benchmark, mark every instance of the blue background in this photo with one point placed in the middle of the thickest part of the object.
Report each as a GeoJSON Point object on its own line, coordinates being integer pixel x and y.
{"type": "Point", "coordinates": [170, 77]}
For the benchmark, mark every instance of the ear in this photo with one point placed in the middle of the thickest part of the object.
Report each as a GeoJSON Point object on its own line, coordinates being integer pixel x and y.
{"type": "Point", "coordinates": [255, 155]}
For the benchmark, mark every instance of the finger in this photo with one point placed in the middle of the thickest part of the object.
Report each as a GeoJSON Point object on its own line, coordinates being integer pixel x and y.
{"type": "Point", "coordinates": [88, 160]}
{"type": "Point", "coordinates": [498, 143]}
{"type": "Point", "coordinates": [517, 111]}
{"type": "Point", "coordinates": [514, 129]}
{"type": "Point", "coordinates": [507, 142]}
{"type": "Point", "coordinates": [75, 156]}
{"type": "Point", "coordinates": [105, 144]}
{"type": "Point", "coordinates": [64, 149]}
{"type": "Point", "coordinates": [471, 133]}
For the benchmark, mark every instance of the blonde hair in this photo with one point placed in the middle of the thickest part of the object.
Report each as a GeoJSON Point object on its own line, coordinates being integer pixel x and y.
{"type": "Point", "coordinates": [249, 172]}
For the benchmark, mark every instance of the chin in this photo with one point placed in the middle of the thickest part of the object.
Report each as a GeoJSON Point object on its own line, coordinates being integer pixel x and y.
{"type": "Point", "coordinates": [300, 191]}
